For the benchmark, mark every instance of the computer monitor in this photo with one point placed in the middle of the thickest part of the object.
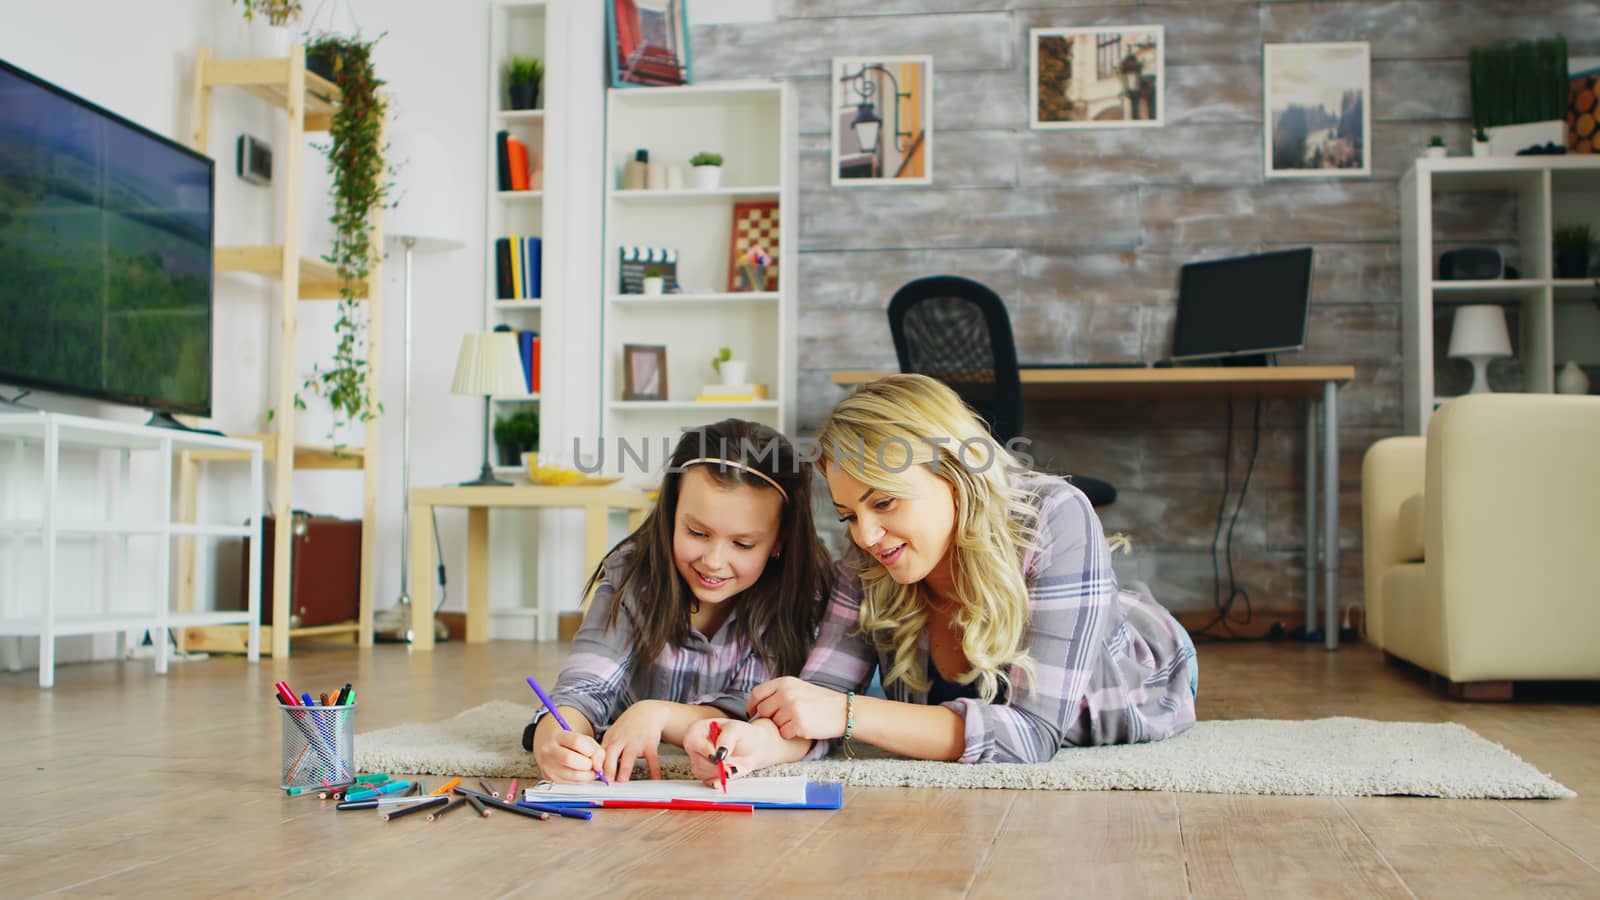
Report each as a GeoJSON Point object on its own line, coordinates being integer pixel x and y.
{"type": "Point", "coordinates": [1243, 306]}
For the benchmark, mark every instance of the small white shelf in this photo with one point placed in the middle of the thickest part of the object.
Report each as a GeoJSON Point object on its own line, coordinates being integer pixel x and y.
{"type": "Point", "coordinates": [623, 406]}
{"type": "Point", "coordinates": [648, 196]}
{"type": "Point", "coordinates": [519, 196]}
{"type": "Point", "coordinates": [671, 300]}
{"type": "Point", "coordinates": [506, 305]}
{"type": "Point", "coordinates": [520, 115]}
{"type": "Point", "coordinates": [715, 89]}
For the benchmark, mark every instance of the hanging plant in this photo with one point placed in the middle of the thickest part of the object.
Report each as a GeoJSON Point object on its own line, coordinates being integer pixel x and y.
{"type": "Point", "coordinates": [361, 184]}
{"type": "Point", "coordinates": [278, 12]}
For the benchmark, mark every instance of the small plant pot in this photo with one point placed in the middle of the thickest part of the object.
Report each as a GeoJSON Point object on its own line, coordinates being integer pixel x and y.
{"type": "Point", "coordinates": [320, 62]}
{"type": "Point", "coordinates": [1480, 148]}
{"type": "Point", "coordinates": [524, 96]}
{"type": "Point", "coordinates": [705, 178]}
{"type": "Point", "coordinates": [735, 371]}
{"type": "Point", "coordinates": [1572, 264]}
{"type": "Point", "coordinates": [653, 286]}
{"type": "Point", "coordinates": [1437, 152]}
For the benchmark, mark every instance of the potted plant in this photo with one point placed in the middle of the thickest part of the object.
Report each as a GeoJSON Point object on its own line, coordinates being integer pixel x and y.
{"type": "Point", "coordinates": [1519, 93]}
{"type": "Point", "coordinates": [361, 182]}
{"type": "Point", "coordinates": [1573, 243]}
{"type": "Point", "coordinates": [1480, 142]}
{"type": "Point", "coordinates": [515, 435]}
{"type": "Point", "coordinates": [278, 12]}
{"type": "Point", "coordinates": [733, 371]}
{"type": "Point", "coordinates": [653, 281]}
{"type": "Point", "coordinates": [706, 173]}
{"type": "Point", "coordinates": [524, 74]}
{"type": "Point", "coordinates": [1436, 148]}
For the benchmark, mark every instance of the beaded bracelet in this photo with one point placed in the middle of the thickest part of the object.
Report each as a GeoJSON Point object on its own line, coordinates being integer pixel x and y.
{"type": "Point", "coordinates": [849, 720]}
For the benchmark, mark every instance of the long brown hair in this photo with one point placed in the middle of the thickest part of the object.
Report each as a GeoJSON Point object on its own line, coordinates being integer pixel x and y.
{"type": "Point", "coordinates": [779, 614]}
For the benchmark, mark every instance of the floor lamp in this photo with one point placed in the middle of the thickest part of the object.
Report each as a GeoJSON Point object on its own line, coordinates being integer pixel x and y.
{"type": "Point", "coordinates": [426, 218]}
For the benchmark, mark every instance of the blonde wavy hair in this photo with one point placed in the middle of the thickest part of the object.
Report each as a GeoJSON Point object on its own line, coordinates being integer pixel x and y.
{"type": "Point", "coordinates": [873, 435]}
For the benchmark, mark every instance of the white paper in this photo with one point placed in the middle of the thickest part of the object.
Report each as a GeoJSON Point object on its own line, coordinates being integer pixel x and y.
{"type": "Point", "coordinates": [789, 789]}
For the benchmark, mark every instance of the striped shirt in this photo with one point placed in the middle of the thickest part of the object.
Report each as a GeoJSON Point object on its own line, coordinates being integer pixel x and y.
{"type": "Point", "coordinates": [1110, 665]}
{"type": "Point", "coordinates": [601, 681]}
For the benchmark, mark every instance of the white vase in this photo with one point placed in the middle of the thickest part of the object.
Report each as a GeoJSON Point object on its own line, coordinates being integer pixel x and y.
{"type": "Point", "coordinates": [1438, 152]}
{"type": "Point", "coordinates": [653, 285]}
{"type": "Point", "coordinates": [705, 178]}
{"type": "Point", "coordinates": [1570, 380]}
{"type": "Point", "coordinates": [734, 371]}
{"type": "Point", "coordinates": [1506, 140]}
{"type": "Point", "coordinates": [1480, 148]}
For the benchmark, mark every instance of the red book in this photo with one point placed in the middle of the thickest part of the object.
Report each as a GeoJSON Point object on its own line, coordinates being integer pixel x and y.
{"type": "Point", "coordinates": [517, 154]}
{"type": "Point", "coordinates": [534, 387]}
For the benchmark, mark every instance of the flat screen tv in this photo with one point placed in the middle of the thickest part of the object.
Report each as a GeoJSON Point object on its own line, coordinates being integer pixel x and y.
{"type": "Point", "coordinates": [1244, 306]}
{"type": "Point", "coordinates": [105, 253]}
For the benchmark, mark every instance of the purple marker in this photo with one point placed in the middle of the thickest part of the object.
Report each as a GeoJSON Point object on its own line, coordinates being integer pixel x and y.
{"type": "Point", "coordinates": [551, 705]}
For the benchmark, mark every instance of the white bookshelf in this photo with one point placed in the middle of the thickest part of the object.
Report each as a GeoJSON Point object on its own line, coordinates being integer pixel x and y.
{"type": "Point", "coordinates": [1552, 319]}
{"type": "Point", "coordinates": [752, 124]}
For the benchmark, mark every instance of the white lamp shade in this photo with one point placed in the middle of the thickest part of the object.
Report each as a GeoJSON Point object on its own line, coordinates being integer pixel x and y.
{"type": "Point", "coordinates": [1479, 331]}
{"type": "Point", "coordinates": [428, 201]}
{"type": "Point", "coordinates": [488, 364]}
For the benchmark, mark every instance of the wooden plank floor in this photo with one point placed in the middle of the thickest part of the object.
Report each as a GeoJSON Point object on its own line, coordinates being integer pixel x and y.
{"type": "Point", "coordinates": [122, 782]}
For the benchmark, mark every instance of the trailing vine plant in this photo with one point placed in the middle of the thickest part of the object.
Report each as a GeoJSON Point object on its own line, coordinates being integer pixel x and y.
{"type": "Point", "coordinates": [278, 12]}
{"type": "Point", "coordinates": [361, 184]}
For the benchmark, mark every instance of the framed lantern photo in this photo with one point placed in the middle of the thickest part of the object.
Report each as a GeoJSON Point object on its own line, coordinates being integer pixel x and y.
{"type": "Point", "coordinates": [1108, 76]}
{"type": "Point", "coordinates": [882, 108]}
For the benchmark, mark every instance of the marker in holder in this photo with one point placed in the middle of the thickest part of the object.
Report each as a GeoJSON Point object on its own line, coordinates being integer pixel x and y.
{"type": "Point", "coordinates": [319, 743]}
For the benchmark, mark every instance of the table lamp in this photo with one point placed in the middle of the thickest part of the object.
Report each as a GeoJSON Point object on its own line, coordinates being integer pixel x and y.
{"type": "Point", "coordinates": [1479, 335]}
{"type": "Point", "coordinates": [427, 217]}
{"type": "Point", "coordinates": [489, 363]}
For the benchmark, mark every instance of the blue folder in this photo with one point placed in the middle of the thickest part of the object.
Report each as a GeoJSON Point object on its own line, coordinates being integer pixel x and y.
{"type": "Point", "coordinates": [819, 795]}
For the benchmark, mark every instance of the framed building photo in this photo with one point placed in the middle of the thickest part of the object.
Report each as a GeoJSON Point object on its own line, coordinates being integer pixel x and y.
{"type": "Point", "coordinates": [882, 120]}
{"type": "Point", "coordinates": [1318, 110]}
{"type": "Point", "coordinates": [649, 42]}
{"type": "Point", "coordinates": [644, 372]}
{"type": "Point", "coordinates": [1108, 76]}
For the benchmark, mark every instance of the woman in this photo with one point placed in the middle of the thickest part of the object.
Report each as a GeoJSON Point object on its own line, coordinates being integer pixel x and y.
{"type": "Point", "coordinates": [982, 592]}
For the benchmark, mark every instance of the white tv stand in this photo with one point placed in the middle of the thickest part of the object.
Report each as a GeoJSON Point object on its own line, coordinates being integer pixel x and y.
{"type": "Point", "coordinates": [38, 510]}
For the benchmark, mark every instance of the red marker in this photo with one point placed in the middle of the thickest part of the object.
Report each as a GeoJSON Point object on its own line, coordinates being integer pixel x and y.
{"type": "Point", "coordinates": [722, 768]}
{"type": "Point", "coordinates": [701, 805]}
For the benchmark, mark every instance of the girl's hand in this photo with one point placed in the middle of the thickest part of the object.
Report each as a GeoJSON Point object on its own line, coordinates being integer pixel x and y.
{"type": "Point", "coordinates": [636, 733]}
{"type": "Point", "coordinates": [799, 709]}
{"type": "Point", "coordinates": [566, 757]}
{"type": "Point", "coordinates": [746, 744]}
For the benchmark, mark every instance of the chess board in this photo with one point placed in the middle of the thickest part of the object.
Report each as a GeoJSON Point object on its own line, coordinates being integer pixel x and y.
{"type": "Point", "coordinates": [755, 224]}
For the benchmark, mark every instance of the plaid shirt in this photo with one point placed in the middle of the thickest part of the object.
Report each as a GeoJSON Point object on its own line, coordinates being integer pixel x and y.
{"type": "Point", "coordinates": [1110, 666]}
{"type": "Point", "coordinates": [600, 679]}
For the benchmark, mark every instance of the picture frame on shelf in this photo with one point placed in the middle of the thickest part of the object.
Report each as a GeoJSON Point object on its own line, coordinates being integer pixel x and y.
{"type": "Point", "coordinates": [1105, 76]}
{"type": "Point", "coordinates": [1317, 105]}
{"type": "Point", "coordinates": [644, 372]}
{"type": "Point", "coordinates": [755, 227]}
{"type": "Point", "coordinates": [882, 110]}
{"type": "Point", "coordinates": [648, 42]}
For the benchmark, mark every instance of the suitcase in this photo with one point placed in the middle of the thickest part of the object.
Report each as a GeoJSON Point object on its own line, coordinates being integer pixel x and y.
{"type": "Point", "coordinates": [325, 572]}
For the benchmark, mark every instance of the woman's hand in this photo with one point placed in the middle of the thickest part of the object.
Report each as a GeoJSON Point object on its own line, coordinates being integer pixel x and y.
{"type": "Point", "coordinates": [566, 757]}
{"type": "Point", "coordinates": [799, 709]}
{"type": "Point", "coordinates": [747, 745]}
{"type": "Point", "coordinates": [636, 733]}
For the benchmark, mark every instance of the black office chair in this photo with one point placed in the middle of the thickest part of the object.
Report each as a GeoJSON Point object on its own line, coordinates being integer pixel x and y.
{"type": "Point", "coordinates": [956, 330]}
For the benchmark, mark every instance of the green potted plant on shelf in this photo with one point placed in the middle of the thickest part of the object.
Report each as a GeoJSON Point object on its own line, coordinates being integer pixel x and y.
{"type": "Point", "coordinates": [524, 74]}
{"type": "Point", "coordinates": [1574, 242]}
{"type": "Point", "coordinates": [733, 371]}
{"type": "Point", "coordinates": [1519, 94]}
{"type": "Point", "coordinates": [706, 170]}
{"type": "Point", "coordinates": [361, 183]}
{"type": "Point", "coordinates": [516, 434]}
{"type": "Point", "coordinates": [653, 281]}
{"type": "Point", "coordinates": [278, 12]}
{"type": "Point", "coordinates": [1436, 148]}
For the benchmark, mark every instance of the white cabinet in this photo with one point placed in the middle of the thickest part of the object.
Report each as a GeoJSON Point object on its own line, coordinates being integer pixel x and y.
{"type": "Point", "coordinates": [53, 520]}
{"type": "Point", "coordinates": [752, 126]}
{"type": "Point", "coordinates": [1459, 202]}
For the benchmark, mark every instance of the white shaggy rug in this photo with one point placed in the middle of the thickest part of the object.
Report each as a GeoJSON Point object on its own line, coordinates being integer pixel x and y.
{"type": "Point", "coordinates": [1331, 757]}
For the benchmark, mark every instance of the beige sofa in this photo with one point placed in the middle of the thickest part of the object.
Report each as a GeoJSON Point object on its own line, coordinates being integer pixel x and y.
{"type": "Point", "coordinates": [1481, 542]}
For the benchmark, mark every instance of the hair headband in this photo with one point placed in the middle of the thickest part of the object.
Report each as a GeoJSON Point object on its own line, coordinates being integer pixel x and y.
{"type": "Point", "coordinates": [711, 460]}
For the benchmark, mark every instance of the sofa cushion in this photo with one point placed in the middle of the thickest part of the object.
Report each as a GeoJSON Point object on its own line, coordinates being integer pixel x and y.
{"type": "Point", "coordinates": [1408, 531]}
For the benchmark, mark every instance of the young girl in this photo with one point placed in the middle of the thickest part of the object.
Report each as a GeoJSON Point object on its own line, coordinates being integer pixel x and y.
{"type": "Point", "coordinates": [983, 594]}
{"type": "Point", "coordinates": [720, 589]}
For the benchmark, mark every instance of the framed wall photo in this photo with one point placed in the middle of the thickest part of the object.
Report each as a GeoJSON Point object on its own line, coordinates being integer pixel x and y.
{"type": "Point", "coordinates": [1108, 76]}
{"type": "Point", "coordinates": [1318, 110]}
{"type": "Point", "coordinates": [649, 42]}
{"type": "Point", "coordinates": [644, 372]}
{"type": "Point", "coordinates": [755, 228]}
{"type": "Point", "coordinates": [882, 120]}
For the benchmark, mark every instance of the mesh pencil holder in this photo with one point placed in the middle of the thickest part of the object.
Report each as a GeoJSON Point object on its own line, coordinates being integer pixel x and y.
{"type": "Point", "coordinates": [319, 744]}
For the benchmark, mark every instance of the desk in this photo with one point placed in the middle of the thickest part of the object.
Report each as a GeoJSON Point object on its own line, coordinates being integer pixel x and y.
{"type": "Point", "coordinates": [596, 502]}
{"type": "Point", "coordinates": [1317, 384]}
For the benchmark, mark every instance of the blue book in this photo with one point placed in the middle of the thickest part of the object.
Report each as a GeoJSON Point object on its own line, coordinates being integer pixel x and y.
{"type": "Point", "coordinates": [535, 268]}
{"type": "Point", "coordinates": [525, 344]}
{"type": "Point", "coordinates": [819, 795]}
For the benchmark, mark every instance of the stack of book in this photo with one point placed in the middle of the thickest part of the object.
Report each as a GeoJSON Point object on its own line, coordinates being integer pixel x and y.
{"type": "Point", "coordinates": [732, 393]}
